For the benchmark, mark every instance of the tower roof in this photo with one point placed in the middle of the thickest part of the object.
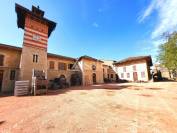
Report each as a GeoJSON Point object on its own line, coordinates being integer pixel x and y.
{"type": "Point", "coordinates": [36, 12]}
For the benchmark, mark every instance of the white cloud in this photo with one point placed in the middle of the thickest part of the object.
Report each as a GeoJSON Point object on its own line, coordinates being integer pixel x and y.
{"type": "Point", "coordinates": [167, 16]}
{"type": "Point", "coordinates": [96, 25]}
{"type": "Point", "coordinates": [147, 12]}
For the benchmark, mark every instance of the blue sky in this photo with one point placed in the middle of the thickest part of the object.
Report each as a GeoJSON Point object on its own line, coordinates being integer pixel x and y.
{"type": "Point", "coordinates": [105, 29]}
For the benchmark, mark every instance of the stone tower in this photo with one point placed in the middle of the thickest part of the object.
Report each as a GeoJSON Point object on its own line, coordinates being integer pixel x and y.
{"type": "Point", "coordinates": [37, 30]}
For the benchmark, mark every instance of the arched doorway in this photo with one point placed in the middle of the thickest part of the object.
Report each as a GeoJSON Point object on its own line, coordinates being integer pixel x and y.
{"type": "Point", "coordinates": [94, 78]}
{"type": "Point", "coordinates": [62, 76]}
{"type": "Point", "coordinates": [117, 77]}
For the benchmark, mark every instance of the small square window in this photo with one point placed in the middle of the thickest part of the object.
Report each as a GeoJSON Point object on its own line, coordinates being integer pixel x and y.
{"type": "Point", "coordinates": [36, 37]}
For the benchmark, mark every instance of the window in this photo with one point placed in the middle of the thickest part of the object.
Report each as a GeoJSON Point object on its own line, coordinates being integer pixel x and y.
{"type": "Point", "coordinates": [35, 58]}
{"type": "Point", "coordinates": [142, 74]}
{"type": "Point", "coordinates": [51, 64]}
{"type": "Point", "coordinates": [128, 75]}
{"type": "Point", "coordinates": [93, 67]}
{"type": "Point", "coordinates": [122, 75]}
{"type": "Point", "coordinates": [1, 60]}
{"type": "Point", "coordinates": [112, 76]}
{"type": "Point", "coordinates": [36, 37]}
{"type": "Point", "coordinates": [70, 66]}
{"type": "Point", "coordinates": [134, 68]}
{"type": "Point", "coordinates": [124, 69]}
{"type": "Point", "coordinates": [12, 74]}
{"type": "Point", "coordinates": [108, 76]}
{"type": "Point", "coordinates": [61, 66]}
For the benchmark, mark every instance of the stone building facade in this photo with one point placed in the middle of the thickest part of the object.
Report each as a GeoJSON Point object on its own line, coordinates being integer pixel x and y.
{"type": "Point", "coordinates": [92, 70]}
{"type": "Point", "coordinates": [18, 63]}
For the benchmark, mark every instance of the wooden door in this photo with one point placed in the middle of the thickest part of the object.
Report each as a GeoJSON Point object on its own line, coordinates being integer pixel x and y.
{"type": "Point", "coordinates": [94, 78]}
{"type": "Point", "coordinates": [135, 76]}
{"type": "Point", "coordinates": [1, 79]}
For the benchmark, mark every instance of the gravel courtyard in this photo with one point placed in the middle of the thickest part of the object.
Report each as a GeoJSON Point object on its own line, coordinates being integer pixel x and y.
{"type": "Point", "coordinates": [111, 108]}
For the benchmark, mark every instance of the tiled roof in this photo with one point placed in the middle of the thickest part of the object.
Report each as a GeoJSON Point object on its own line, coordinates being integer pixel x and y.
{"type": "Point", "coordinates": [10, 47]}
{"type": "Point", "coordinates": [22, 12]}
{"type": "Point", "coordinates": [20, 49]}
{"type": "Point", "coordinates": [131, 59]}
{"type": "Point", "coordinates": [60, 56]}
{"type": "Point", "coordinates": [89, 58]}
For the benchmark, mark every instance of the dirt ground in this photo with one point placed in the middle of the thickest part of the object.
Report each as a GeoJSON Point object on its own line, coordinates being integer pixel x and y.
{"type": "Point", "coordinates": [111, 108]}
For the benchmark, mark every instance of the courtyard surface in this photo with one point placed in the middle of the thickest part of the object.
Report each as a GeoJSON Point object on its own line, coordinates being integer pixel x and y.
{"type": "Point", "coordinates": [111, 108]}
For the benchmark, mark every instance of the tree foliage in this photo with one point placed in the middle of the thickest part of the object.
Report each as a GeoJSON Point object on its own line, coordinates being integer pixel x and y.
{"type": "Point", "coordinates": [168, 52]}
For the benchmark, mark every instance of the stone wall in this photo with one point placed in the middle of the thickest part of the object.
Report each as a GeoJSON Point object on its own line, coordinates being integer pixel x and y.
{"type": "Point", "coordinates": [11, 62]}
{"type": "Point", "coordinates": [87, 71]}
{"type": "Point", "coordinates": [54, 73]}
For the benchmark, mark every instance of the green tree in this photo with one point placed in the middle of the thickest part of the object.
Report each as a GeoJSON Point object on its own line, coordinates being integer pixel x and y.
{"type": "Point", "coordinates": [168, 53]}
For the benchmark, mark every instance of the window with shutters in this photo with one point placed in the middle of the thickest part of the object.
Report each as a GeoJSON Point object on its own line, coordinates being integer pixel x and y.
{"type": "Point", "coordinates": [70, 66]}
{"type": "Point", "coordinates": [1, 60]}
{"type": "Point", "coordinates": [35, 58]}
{"type": "Point", "coordinates": [51, 64]}
{"type": "Point", "coordinates": [61, 66]}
